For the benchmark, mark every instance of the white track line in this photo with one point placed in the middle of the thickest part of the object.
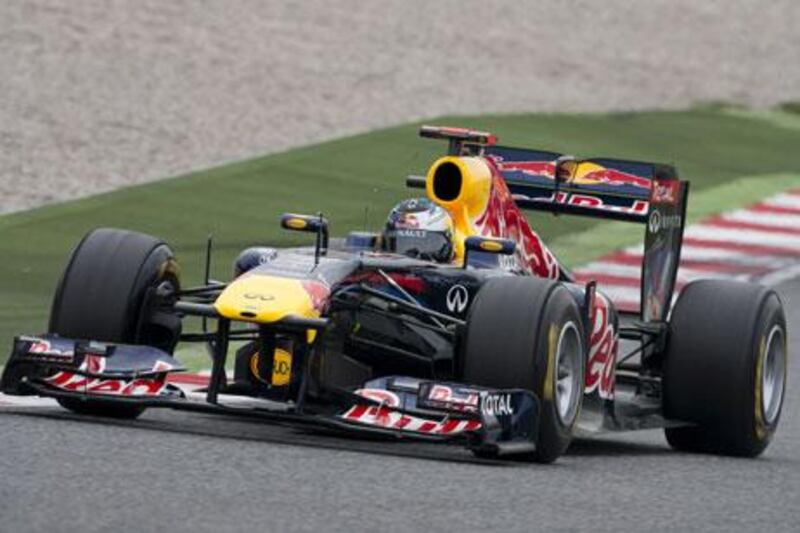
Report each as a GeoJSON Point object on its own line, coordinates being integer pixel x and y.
{"type": "Point", "coordinates": [600, 268]}
{"type": "Point", "coordinates": [609, 268]}
{"type": "Point", "coordinates": [691, 252]}
{"type": "Point", "coordinates": [743, 236]}
{"type": "Point", "coordinates": [619, 293]}
{"type": "Point", "coordinates": [766, 219]}
{"type": "Point", "coordinates": [698, 253]}
{"type": "Point", "coordinates": [784, 200]}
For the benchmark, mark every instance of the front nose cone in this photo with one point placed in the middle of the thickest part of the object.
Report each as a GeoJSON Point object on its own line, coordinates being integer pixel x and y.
{"type": "Point", "coordinates": [264, 299]}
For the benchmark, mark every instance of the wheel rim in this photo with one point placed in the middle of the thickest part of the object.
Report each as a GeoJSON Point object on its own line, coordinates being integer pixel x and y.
{"type": "Point", "coordinates": [569, 352]}
{"type": "Point", "coordinates": [773, 373]}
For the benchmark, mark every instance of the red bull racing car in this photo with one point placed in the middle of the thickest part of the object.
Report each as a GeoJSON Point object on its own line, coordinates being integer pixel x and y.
{"type": "Point", "coordinates": [455, 324]}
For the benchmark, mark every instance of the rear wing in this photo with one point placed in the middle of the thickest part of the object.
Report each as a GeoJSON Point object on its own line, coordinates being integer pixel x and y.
{"type": "Point", "coordinates": [606, 188]}
{"type": "Point", "coordinates": [599, 187]}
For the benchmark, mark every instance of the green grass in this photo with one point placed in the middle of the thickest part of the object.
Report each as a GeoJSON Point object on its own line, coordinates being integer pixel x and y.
{"type": "Point", "coordinates": [359, 178]}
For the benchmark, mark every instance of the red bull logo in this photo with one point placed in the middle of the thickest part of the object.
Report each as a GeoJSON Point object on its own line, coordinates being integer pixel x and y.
{"type": "Point", "coordinates": [589, 173]}
{"type": "Point", "coordinates": [575, 172]}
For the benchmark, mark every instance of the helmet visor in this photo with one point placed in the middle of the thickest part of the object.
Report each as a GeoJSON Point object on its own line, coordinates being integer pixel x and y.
{"type": "Point", "coordinates": [420, 244]}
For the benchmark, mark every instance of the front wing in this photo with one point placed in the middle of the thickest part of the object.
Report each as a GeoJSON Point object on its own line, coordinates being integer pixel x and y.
{"type": "Point", "coordinates": [491, 421]}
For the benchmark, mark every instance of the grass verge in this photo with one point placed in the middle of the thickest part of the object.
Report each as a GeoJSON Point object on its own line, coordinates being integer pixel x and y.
{"type": "Point", "coordinates": [356, 180]}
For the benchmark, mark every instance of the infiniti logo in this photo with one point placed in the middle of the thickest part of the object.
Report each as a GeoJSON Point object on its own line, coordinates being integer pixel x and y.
{"type": "Point", "coordinates": [654, 223]}
{"type": "Point", "coordinates": [457, 299]}
{"type": "Point", "coordinates": [658, 222]}
{"type": "Point", "coordinates": [257, 296]}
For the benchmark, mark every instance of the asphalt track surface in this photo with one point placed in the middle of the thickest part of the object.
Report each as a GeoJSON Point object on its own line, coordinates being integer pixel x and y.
{"type": "Point", "coordinates": [191, 472]}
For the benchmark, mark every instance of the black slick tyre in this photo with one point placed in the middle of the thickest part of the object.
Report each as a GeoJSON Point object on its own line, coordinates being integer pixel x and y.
{"type": "Point", "coordinates": [105, 294]}
{"type": "Point", "coordinates": [525, 332]}
{"type": "Point", "coordinates": [725, 368]}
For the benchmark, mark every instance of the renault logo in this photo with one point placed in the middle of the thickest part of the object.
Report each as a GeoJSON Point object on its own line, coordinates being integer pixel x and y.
{"type": "Point", "coordinates": [457, 299]}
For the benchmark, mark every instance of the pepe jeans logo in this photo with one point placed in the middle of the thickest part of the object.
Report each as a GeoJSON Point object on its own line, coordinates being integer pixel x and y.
{"type": "Point", "coordinates": [457, 299]}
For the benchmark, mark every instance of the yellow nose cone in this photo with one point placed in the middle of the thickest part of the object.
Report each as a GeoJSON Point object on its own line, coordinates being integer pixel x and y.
{"type": "Point", "coordinates": [264, 299]}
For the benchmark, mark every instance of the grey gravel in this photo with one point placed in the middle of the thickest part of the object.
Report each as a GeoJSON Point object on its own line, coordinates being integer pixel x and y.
{"type": "Point", "coordinates": [98, 94]}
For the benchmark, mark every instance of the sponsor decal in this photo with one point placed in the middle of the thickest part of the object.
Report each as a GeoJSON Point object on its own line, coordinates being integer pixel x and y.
{"type": "Point", "coordinates": [384, 417]}
{"type": "Point", "coordinates": [70, 381]}
{"type": "Point", "coordinates": [665, 192]}
{"type": "Point", "coordinates": [259, 296]}
{"type": "Point", "coordinates": [457, 299]}
{"type": "Point", "coordinates": [496, 405]}
{"type": "Point", "coordinates": [446, 397]}
{"type": "Point", "coordinates": [440, 393]}
{"type": "Point", "coordinates": [638, 207]}
{"type": "Point", "coordinates": [507, 262]}
{"type": "Point", "coordinates": [317, 291]}
{"type": "Point", "coordinates": [577, 172]}
{"type": "Point", "coordinates": [654, 223]}
{"type": "Point", "coordinates": [416, 233]}
{"type": "Point", "coordinates": [408, 221]}
{"type": "Point", "coordinates": [658, 222]}
{"type": "Point", "coordinates": [603, 344]}
{"type": "Point", "coordinates": [162, 366]}
{"type": "Point", "coordinates": [44, 349]}
{"type": "Point", "coordinates": [93, 364]}
{"type": "Point", "coordinates": [281, 368]}
{"type": "Point", "coordinates": [502, 218]}
{"type": "Point", "coordinates": [413, 203]}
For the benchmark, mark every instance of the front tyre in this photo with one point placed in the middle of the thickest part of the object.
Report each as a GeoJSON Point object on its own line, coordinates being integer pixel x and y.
{"type": "Point", "coordinates": [725, 368]}
{"type": "Point", "coordinates": [527, 333]}
{"type": "Point", "coordinates": [106, 294]}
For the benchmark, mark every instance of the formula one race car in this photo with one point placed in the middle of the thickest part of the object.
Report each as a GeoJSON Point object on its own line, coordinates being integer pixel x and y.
{"type": "Point", "coordinates": [455, 324]}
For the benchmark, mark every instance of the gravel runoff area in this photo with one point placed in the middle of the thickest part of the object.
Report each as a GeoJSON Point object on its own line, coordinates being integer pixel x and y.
{"type": "Point", "coordinates": [98, 94]}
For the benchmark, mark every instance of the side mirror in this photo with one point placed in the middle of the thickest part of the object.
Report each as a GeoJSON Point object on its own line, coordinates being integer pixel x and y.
{"type": "Point", "coordinates": [475, 247]}
{"type": "Point", "coordinates": [312, 224]}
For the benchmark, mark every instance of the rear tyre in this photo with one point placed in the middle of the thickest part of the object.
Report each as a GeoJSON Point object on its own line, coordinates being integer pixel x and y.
{"type": "Point", "coordinates": [106, 294]}
{"type": "Point", "coordinates": [527, 333]}
{"type": "Point", "coordinates": [725, 368]}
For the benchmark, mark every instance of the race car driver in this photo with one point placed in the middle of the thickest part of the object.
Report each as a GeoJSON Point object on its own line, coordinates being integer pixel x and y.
{"type": "Point", "coordinates": [419, 228]}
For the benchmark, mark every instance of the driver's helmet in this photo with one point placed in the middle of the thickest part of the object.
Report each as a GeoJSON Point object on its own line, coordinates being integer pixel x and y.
{"type": "Point", "coordinates": [419, 228]}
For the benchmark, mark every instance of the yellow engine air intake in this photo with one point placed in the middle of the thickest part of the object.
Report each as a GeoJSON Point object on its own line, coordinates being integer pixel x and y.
{"type": "Point", "coordinates": [461, 185]}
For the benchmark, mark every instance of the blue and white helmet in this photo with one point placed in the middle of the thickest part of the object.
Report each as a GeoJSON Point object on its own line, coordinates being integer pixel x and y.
{"type": "Point", "coordinates": [419, 228]}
